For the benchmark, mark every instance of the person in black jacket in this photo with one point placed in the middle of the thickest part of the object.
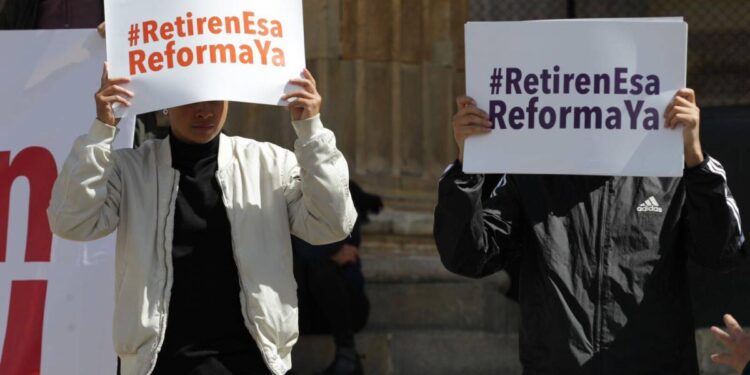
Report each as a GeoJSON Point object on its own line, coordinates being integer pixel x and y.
{"type": "Point", "coordinates": [602, 282]}
{"type": "Point", "coordinates": [737, 341]}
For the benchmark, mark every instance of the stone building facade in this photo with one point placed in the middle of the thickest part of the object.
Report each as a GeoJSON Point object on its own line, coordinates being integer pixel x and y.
{"type": "Point", "coordinates": [389, 71]}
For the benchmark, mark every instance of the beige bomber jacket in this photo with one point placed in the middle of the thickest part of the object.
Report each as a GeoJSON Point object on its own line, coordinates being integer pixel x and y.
{"type": "Point", "coordinates": [269, 193]}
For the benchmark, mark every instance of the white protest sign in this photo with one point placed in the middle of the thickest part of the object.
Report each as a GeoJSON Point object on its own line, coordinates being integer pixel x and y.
{"type": "Point", "coordinates": [56, 296]}
{"type": "Point", "coordinates": [569, 97]}
{"type": "Point", "coordinates": [185, 51]}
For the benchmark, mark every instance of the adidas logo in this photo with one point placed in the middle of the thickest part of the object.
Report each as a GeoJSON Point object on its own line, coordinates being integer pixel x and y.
{"type": "Point", "coordinates": [650, 205]}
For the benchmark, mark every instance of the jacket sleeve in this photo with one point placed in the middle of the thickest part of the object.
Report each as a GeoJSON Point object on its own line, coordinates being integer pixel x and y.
{"type": "Point", "coordinates": [316, 186]}
{"type": "Point", "coordinates": [712, 232]}
{"type": "Point", "coordinates": [477, 222]}
{"type": "Point", "coordinates": [86, 195]}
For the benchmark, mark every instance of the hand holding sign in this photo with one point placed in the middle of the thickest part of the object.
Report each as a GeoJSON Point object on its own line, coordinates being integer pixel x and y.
{"type": "Point", "coordinates": [109, 93]}
{"type": "Point", "coordinates": [469, 120]}
{"type": "Point", "coordinates": [187, 51]}
{"type": "Point", "coordinates": [578, 97]}
{"type": "Point", "coordinates": [307, 101]}
{"type": "Point", "coordinates": [684, 110]}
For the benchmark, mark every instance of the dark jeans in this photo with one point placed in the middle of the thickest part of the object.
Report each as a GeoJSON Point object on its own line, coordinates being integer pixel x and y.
{"type": "Point", "coordinates": [328, 302]}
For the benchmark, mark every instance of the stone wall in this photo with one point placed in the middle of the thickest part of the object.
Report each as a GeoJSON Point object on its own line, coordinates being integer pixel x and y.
{"type": "Point", "coordinates": [388, 72]}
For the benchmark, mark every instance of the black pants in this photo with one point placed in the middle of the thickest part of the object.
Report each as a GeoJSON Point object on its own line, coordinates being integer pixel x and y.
{"type": "Point", "coordinates": [243, 363]}
{"type": "Point", "coordinates": [328, 302]}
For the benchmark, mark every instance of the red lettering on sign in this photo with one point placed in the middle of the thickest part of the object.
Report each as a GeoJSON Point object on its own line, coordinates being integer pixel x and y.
{"type": "Point", "coordinates": [38, 165]}
{"type": "Point", "coordinates": [22, 349]}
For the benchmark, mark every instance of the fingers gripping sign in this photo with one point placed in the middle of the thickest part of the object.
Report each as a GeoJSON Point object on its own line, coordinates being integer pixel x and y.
{"type": "Point", "coordinates": [683, 111]}
{"type": "Point", "coordinates": [304, 103]}
{"type": "Point", "coordinates": [468, 121]}
{"type": "Point", "coordinates": [109, 93]}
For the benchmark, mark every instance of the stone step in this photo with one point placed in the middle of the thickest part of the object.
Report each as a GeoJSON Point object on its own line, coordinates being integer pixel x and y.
{"type": "Point", "coordinates": [411, 223]}
{"type": "Point", "coordinates": [405, 259]}
{"type": "Point", "coordinates": [450, 352]}
{"type": "Point", "coordinates": [474, 304]}
{"type": "Point", "coordinates": [383, 267]}
{"type": "Point", "coordinates": [447, 352]}
{"type": "Point", "coordinates": [415, 291]}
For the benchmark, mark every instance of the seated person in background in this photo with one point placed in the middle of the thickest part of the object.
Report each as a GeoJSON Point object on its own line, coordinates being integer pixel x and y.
{"type": "Point", "coordinates": [331, 287]}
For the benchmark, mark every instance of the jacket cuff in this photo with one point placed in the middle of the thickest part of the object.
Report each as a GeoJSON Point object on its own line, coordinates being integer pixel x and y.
{"type": "Point", "coordinates": [455, 173]}
{"type": "Point", "coordinates": [101, 132]}
{"type": "Point", "coordinates": [698, 169]}
{"type": "Point", "coordinates": [308, 128]}
{"type": "Point", "coordinates": [452, 169]}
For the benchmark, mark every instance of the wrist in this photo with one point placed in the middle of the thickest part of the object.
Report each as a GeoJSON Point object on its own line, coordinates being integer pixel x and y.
{"type": "Point", "coordinates": [308, 128]}
{"type": "Point", "coordinates": [693, 154]}
{"type": "Point", "coordinates": [106, 121]}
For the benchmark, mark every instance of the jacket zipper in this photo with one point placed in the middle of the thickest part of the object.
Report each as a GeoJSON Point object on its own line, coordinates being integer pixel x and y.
{"type": "Point", "coordinates": [167, 258]}
{"type": "Point", "coordinates": [600, 268]}
{"type": "Point", "coordinates": [239, 274]}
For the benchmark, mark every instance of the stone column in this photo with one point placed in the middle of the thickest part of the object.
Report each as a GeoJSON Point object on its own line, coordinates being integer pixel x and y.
{"type": "Point", "coordinates": [388, 72]}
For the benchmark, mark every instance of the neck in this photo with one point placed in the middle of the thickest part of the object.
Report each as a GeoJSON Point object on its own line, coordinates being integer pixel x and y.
{"type": "Point", "coordinates": [187, 154]}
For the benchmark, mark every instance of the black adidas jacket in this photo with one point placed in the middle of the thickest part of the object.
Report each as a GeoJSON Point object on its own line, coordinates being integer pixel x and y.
{"type": "Point", "coordinates": [603, 286]}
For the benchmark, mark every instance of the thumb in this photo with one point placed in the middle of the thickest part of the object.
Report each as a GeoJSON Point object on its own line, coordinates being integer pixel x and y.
{"type": "Point", "coordinates": [722, 359]}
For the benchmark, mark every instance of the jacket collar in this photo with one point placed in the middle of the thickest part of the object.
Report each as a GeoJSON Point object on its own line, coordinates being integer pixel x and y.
{"type": "Point", "coordinates": [164, 152]}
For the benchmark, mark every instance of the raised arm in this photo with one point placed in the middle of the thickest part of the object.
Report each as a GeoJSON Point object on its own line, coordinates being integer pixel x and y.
{"type": "Point", "coordinates": [712, 230]}
{"type": "Point", "coordinates": [86, 195]}
{"type": "Point", "coordinates": [477, 218]}
{"type": "Point", "coordinates": [477, 223]}
{"type": "Point", "coordinates": [317, 175]}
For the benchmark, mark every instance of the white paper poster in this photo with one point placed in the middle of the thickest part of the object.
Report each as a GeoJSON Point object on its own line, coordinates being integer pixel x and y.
{"type": "Point", "coordinates": [185, 51]}
{"type": "Point", "coordinates": [56, 296]}
{"type": "Point", "coordinates": [576, 97]}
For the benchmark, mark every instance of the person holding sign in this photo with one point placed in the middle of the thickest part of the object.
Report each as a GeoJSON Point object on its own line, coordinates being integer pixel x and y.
{"type": "Point", "coordinates": [204, 274]}
{"type": "Point", "coordinates": [602, 259]}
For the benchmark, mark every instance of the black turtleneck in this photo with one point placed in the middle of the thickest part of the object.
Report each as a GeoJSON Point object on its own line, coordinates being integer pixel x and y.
{"type": "Point", "coordinates": [205, 329]}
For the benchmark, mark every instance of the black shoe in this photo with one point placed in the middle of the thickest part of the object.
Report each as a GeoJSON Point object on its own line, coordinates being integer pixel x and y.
{"type": "Point", "coordinates": [346, 363]}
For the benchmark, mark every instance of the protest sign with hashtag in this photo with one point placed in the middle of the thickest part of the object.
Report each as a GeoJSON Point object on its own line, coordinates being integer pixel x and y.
{"type": "Point", "coordinates": [576, 97]}
{"type": "Point", "coordinates": [180, 52]}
